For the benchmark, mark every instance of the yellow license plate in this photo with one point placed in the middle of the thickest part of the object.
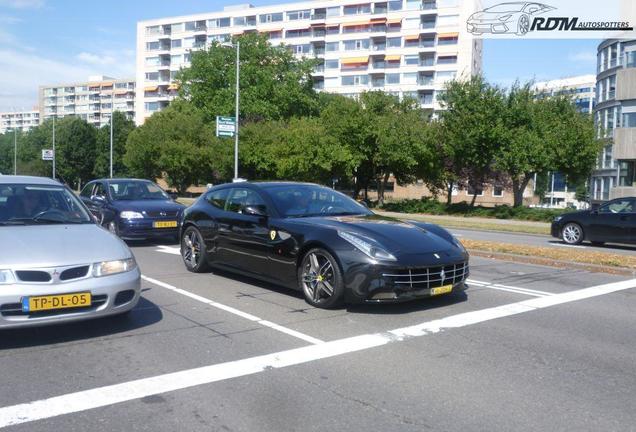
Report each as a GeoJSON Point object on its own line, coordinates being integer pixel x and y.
{"type": "Point", "coordinates": [50, 302]}
{"type": "Point", "coordinates": [165, 224]}
{"type": "Point", "coordinates": [441, 290]}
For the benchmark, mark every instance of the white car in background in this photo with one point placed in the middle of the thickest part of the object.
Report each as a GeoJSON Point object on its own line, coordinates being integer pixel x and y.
{"type": "Point", "coordinates": [56, 264]}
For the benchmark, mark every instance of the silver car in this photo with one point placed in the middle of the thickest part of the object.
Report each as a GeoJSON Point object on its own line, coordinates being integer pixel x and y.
{"type": "Point", "coordinates": [56, 264]}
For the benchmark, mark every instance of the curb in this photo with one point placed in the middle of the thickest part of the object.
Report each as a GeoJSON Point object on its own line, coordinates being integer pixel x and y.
{"type": "Point", "coordinates": [622, 271]}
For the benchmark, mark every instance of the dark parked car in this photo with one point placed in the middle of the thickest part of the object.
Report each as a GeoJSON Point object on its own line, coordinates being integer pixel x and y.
{"type": "Point", "coordinates": [321, 242]}
{"type": "Point", "coordinates": [133, 209]}
{"type": "Point", "coordinates": [614, 222]}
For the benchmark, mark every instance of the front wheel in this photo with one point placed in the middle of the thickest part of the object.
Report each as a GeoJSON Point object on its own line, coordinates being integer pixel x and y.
{"type": "Point", "coordinates": [193, 251]}
{"type": "Point", "coordinates": [523, 25]}
{"type": "Point", "coordinates": [572, 233]}
{"type": "Point", "coordinates": [320, 279]}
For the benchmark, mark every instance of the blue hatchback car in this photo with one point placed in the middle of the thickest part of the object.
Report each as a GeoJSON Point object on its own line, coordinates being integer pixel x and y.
{"type": "Point", "coordinates": [133, 209]}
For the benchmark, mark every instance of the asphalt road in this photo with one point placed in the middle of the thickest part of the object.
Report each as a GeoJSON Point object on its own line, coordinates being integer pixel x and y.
{"type": "Point", "coordinates": [539, 240]}
{"type": "Point", "coordinates": [527, 348]}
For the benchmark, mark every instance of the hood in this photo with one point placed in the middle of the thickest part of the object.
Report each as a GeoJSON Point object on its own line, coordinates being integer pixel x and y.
{"type": "Point", "coordinates": [148, 205]}
{"type": "Point", "coordinates": [58, 245]}
{"type": "Point", "coordinates": [398, 237]}
{"type": "Point", "coordinates": [491, 16]}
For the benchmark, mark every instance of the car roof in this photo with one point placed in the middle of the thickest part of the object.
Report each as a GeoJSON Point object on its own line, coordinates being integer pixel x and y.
{"type": "Point", "coordinates": [108, 180]}
{"type": "Point", "coordinates": [265, 184]}
{"type": "Point", "coordinates": [12, 179]}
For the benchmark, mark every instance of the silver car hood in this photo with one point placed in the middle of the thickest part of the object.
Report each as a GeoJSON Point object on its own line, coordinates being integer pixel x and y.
{"type": "Point", "coordinates": [58, 245]}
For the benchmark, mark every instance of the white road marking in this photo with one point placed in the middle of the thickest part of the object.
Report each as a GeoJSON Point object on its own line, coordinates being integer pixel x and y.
{"type": "Point", "coordinates": [127, 391]}
{"type": "Point", "coordinates": [173, 250]}
{"type": "Point", "coordinates": [518, 290]}
{"type": "Point", "coordinates": [234, 311]}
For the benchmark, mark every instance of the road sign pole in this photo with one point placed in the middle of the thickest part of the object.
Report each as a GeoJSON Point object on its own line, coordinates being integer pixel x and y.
{"type": "Point", "coordinates": [236, 115]}
{"type": "Point", "coordinates": [54, 155]}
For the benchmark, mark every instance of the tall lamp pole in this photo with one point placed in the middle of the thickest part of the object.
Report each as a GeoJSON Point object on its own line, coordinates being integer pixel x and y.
{"type": "Point", "coordinates": [237, 45]}
{"type": "Point", "coordinates": [15, 150]}
{"type": "Point", "coordinates": [54, 154]}
{"type": "Point", "coordinates": [112, 116]}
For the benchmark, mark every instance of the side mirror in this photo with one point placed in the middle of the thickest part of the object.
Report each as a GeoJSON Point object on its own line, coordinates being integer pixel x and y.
{"type": "Point", "coordinates": [255, 210]}
{"type": "Point", "coordinates": [98, 199]}
{"type": "Point", "coordinates": [173, 195]}
{"type": "Point", "coordinates": [364, 203]}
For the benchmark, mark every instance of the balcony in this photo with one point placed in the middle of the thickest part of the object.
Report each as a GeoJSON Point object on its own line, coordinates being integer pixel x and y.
{"type": "Point", "coordinates": [318, 16]}
{"type": "Point", "coordinates": [624, 143]}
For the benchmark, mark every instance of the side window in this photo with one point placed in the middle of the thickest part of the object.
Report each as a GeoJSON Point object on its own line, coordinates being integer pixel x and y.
{"type": "Point", "coordinates": [240, 198]}
{"type": "Point", "coordinates": [618, 206]}
{"type": "Point", "coordinates": [87, 191]}
{"type": "Point", "coordinates": [217, 198]}
{"type": "Point", "coordinates": [99, 190]}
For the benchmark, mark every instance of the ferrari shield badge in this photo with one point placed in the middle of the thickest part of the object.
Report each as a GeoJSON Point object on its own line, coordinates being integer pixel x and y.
{"type": "Point", "coordinates": [272, 234]}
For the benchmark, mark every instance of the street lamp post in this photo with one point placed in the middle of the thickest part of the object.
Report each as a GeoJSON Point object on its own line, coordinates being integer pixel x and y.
{"type": "Point", "coordinates": [15, 150]}
{"type": "Point", "coordinates": [54, 154]}
{"type": "Point", "coordinates": [236, 113]}
{"type": "Point", "coordinates": [112, 112]}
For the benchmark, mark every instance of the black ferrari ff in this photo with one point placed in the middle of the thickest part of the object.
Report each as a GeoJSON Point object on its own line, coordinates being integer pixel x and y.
{"type": "Point", "coordinates": [321, 242]}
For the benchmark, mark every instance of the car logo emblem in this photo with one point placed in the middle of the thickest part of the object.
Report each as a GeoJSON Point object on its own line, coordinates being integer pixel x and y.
{"type": "Point", "coordinates": [163, 213]}
{"type": "Point", "coordinates": [272, 234]}
{"type": "Point", "coordinates": [442, 275]}
{"type": "Point", "coordinates": [436, 256]}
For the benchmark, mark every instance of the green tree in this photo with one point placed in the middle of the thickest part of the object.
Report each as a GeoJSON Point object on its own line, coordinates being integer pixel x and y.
{"type": "Point", "coordinates": [176, 143]}
{"type": "Point", "coordinates": [122, 127]}
{"type": "Point", "coordinates": [541, 135]}
{"type": "Point", "coordinates": [75, 148]}
{"type": "Point", "coordinates": [274, 84]}
{"type": "Point", "coordinates": [472, 129]}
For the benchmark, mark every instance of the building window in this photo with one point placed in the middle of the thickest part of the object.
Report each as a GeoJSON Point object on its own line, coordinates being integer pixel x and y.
{"type": "Point", "coordinates": [395, 5]}
{"type": "Point", "coordinates": [412, 60]}
{"type": "Point", "coordinates": [152, 46]}
{"type": "Point", "coordinates": [219, 22]}
{"type": "Point", "coordinates": [395, 42]}
{"type": "Point", "coordinates": [447, 59]}
{"type": "Point", "coordinates": [299, 15]}
{"type": "Point", "coordinates": [332, 46]}
{"type": "Point", "coordinates": [471, 191]}
{"type": "Point", "coordinates": [274, 17]}
{"type": "Point", "coordinates": [355, 45]}
{"type": "Point", "coordinates": [152, 76]}
{"type": "Point", "coordinates": [393, 78]}
{"type": "Point", "coordinates": [357, 9]}
{"type": "Point", "coordinates": [447, 40]}
{"type": "Point", "coordinates": [333, 11]}
{"type": "Point", "coordinates": [355, 80]}
{"type": "Point", "coordinates": [497, 191]}
{"type": "Point", "coordinates": [409, 78]}
{"type": "Point", "coordinates": [332, 64]}
{"type": "Point", "coordinates": [630, 59]}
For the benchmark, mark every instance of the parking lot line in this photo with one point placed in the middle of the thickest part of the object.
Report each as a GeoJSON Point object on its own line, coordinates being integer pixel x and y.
{"type": "Point", "coordinates": [127, 391]}
{"type": "Point", "coordinates": [234, 311]}
{"type": "Point", "coordinates": [518, 290]}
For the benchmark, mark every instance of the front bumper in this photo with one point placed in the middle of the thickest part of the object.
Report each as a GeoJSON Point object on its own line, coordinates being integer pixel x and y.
{"type": "Point", "coordinates": [111, 295]}
{"type": "Point", "coordinates": [487, 27]}
{"type": "Point", "coordinates": [371, 282]}
{"type": "Point", "coordinates": [142, 229]}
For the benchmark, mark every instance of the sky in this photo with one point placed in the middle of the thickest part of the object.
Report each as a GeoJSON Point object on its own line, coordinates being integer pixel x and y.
{"type": "Point", "coordinates": [58, 41]}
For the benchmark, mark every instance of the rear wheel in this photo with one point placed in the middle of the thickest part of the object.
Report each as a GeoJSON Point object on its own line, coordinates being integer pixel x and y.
{"type": "Point", "coordinates": [320, 279]}
{"type": "Point", "coordinates": [572, 233]}
{"type": "Point", "coordinates": [193, 251]}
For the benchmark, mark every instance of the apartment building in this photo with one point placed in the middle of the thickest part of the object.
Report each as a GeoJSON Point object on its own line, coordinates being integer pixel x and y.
{"type": "Point", "coordinates": [405, 47]}
{"type": "Point", "coordinates": [582, 90]}
{"type": "Point", "coordinates": [615, 119]}
{"type": "Point", "coordinates": [93, 100]}
{"type": "Point", "coordinates": [18, 120]}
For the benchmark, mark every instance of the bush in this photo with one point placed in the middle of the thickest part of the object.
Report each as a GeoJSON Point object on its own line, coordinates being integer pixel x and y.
{"type": "Point", "coordinates": [434, 207]}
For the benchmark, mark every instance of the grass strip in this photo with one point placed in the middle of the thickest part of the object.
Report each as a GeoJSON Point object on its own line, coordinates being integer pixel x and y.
{"type": "Point", "coordinates": [564, 255]}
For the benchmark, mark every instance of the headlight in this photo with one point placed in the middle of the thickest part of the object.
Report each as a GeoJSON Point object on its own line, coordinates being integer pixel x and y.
{"type": "Point", "coordinates": [131, 215]}
{"type": "Point", "coordinates": [504, 18]}
{"type": "Point", "coordinates": [6, 277]}
{"type": "Point", "coordinates": [106, 268]}
{"type": "Point", "coordinates": [557, 218]}
{"type": "Point", "coordinates": [366, 246]}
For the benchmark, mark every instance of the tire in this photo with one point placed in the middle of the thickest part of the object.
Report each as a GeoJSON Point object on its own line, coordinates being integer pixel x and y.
{"type": "Point", "coordinates": [193, 251]}
{"type": "Point", "coordinates": [320, 279]}
{"type": "Point", "coordinates": [523, 25]}
{"type": "Point", "coordinates": [572, 233]}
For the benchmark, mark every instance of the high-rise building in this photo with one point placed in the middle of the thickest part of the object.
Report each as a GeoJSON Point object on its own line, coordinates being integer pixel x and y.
{"type": "Point", "coordinates": [615, 119]}
{"type": "Point", "coordinates": [582, 90]}
{"type": "Point", "coordinates": [92, 100]}
{"type": "Point", "coordinates": [20, 120]}
{"type": "Point", "coordinates": [406, 47]}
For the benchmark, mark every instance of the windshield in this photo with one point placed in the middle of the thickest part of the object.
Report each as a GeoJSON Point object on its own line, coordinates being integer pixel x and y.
{"type": "Point", "coordinates": [311, 200]}
{"type": "Point", "coordinates": [24, 204]}
{"type": "Point", "coordinates": [132, 190]}
{"type": "Point", "coordinates": [506, 7]}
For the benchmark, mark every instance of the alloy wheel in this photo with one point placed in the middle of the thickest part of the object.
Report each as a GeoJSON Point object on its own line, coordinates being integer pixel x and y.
{"type": "Point", "coordinates": [191, 248]}
{"type": "Point", "coordinates": [572, 233]}
{"type": "Point", "coordinates": [524, 25]}
{"type": "Point", "coordinates": [318, 277]}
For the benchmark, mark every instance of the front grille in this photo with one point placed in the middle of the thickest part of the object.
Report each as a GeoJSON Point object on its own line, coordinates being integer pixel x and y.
{"type": "Point", "coordinates": [33, 276]}
{"type": "Point", "coordinates": [74, 273]}
{"type": "Point", "coordinates": [163, 213]}
{"type": "Point", "coordinates": [124, 297]}
{"type": "Point", "coordinates": [15, 309]}
{"type": "Point", "coordinates": [428, 277]}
